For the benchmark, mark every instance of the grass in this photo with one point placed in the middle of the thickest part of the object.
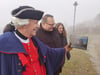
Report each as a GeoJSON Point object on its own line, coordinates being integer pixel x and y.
{"type": "Point", "coordinates": [79, 64]}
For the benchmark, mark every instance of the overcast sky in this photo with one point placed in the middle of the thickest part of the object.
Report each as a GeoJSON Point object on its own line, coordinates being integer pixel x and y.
{"type": "Point", "coordinates": [62, 10]}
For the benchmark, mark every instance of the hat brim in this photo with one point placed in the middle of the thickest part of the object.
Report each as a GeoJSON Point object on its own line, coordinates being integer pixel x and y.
{"type": "Point", "coordinates": [31, 14]}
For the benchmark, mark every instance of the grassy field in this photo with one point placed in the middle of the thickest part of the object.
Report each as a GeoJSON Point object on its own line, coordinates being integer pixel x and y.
{"type": "Point", "coordinates": [79, 64]}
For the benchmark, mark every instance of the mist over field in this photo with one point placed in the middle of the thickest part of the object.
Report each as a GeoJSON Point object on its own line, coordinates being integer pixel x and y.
{"type": "Point", "coordinates": [89, 27]}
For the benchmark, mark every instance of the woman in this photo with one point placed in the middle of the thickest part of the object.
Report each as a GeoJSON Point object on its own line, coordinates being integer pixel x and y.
{"type": "Point", "coordinates": [63, 36]}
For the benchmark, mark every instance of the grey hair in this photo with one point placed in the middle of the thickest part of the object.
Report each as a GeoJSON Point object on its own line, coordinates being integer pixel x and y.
{"type": "Point", "coordinates": [17, 22]}
{"type": "Point", "coordinates": [44, 19]}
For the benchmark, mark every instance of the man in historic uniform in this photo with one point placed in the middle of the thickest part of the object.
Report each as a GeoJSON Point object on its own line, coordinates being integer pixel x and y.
{"type": "Point", "coordinates": [21, 53]}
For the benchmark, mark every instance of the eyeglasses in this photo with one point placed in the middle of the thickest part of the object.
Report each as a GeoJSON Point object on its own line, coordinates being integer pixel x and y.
{"type": "Point", "coordinates": [51, 24]}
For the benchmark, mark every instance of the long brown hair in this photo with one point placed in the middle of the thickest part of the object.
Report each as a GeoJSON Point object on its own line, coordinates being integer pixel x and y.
{"type": "Point", "coordinates": [64, 30]}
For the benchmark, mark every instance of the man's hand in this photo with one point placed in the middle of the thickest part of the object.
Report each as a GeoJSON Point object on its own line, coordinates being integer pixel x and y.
{"type": "Point", "coordinates": [68, 48]}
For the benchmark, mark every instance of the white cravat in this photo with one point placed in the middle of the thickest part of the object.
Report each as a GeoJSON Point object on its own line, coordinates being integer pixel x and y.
{"type": "Point", "coordinates": [22, 40]}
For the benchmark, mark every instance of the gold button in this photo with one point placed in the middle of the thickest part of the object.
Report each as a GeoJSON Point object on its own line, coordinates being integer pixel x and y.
{"type": "Point", "coordinates": [19, 70]}
{"type": "Point", "coordinates": [36, 74]}
{"type": "Point", "coordinates": [28, 44]}
{"type": "Point", "coordinates": [19, 58]}
{"type": "Point", "coordinates": [31, 63]}
{"type": "Point", "coordinates": [34, 70]}
{"type": "Point", "coordinates": [30, 55]}
{"type": "Point", "coordinates": [31, 59]}
{"type": "Point", "coordinates": [19, 64]}
{"type": "Point", "coordinates": [28, 47]}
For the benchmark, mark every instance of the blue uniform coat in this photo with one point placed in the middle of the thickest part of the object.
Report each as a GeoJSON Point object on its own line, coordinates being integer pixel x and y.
{"type": "Point", "coordinates": [10, 45]}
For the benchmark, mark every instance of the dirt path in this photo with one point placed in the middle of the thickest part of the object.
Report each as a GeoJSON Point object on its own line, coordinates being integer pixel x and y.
{"type": "Point", "coordinates": [94, 51]}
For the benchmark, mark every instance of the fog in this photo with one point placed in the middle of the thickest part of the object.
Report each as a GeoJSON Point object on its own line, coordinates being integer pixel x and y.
{"type": "Point", "coordinates": [87, 18]}
{"type": "Point", "coordinates": [62, 10]}
{"type": "Point", "coordinates": [89, 27]}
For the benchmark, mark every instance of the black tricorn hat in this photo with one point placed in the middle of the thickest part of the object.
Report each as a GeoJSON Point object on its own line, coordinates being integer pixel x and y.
{"type": "Point", "coordinates": [27, 12]}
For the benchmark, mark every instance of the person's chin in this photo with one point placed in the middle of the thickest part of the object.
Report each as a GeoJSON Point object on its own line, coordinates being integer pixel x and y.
{"type": "Point", "coordinates": [51, 29]}
{"type": "Point", "coordinates": [60, 32]}
{"type": "Point", "coordinates": [34, 34]}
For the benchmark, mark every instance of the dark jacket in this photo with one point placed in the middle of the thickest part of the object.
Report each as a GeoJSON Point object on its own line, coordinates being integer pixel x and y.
{"type": "Point", "coordinates": [63, 41]}
{"type": "Point", "coordinates": [10, 46]}
{"type": "Point", "coordinates": [51, 38]}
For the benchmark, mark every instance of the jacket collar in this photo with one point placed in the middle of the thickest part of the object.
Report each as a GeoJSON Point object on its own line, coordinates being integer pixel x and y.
{"type": "Point", "coordinates": [9, 43]}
